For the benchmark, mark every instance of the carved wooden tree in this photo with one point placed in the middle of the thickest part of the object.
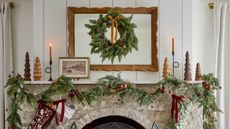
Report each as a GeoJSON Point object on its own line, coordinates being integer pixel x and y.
{"type": "Point", "coordinates": [166, 69]}
{"type": "Point", "coordinates": [27, 75]}
{"type": "Point", "coordinates": [198, 72]}
{"type": "Point", "coordinates": [37, 70]}
{"type": "Point", "coordinates": [187, 69]}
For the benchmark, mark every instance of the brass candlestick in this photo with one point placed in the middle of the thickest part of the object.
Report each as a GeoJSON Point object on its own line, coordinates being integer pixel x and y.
{"type": "Point", "coordinates": [49, 70]}
{"type": "Point", "coordinates": [175, 63]}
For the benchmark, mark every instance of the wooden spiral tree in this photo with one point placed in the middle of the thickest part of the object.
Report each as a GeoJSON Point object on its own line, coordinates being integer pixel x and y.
{"type": "Point", "coordinates": [166, 69]}
{"type": "Point", "coordinates": [27, 75]}
{"type": "Point", "coordinates": [37, 70]}
{"type": "Point", "coordinates": [198, 76]}
{"type": "Point", "coordinates": [187, 69]}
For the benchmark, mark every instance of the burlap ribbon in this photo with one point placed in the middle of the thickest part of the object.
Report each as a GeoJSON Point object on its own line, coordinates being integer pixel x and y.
{"type": "Point", "coordinates": [114, 22]}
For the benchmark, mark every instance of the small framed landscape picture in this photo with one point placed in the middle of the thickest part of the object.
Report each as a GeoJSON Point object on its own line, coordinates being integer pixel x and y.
{"type": "Point", "coordinates": [74, 67]}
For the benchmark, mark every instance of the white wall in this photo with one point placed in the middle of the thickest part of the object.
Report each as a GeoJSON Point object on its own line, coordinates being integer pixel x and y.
{"type": "Point", "coordinates": [35, 26]}
{"type": "Point", "coordinates": [202, 35]}
{"type": "Point", "coordinates": [22, 29]}
{"type": "Point", "coordinates": [174, 19]}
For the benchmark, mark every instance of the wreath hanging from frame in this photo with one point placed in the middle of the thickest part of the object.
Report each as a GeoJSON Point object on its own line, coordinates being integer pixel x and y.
{"type": "Point", "coordinates": [119, 24]}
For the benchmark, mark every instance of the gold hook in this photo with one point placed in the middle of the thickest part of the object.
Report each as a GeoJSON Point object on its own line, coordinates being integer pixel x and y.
{"type": "Point", "coordinates": [11, 5]}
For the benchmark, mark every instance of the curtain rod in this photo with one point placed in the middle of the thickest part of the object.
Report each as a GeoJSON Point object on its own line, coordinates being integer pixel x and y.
{"type": "Point", "coordinates": [11, 5]}
{"type": "Point", "coordinates": [211, 5]}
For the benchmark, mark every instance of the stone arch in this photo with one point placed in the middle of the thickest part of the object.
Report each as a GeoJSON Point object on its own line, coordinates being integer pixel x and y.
{"type": "Point", "coordinates": [114, 121]}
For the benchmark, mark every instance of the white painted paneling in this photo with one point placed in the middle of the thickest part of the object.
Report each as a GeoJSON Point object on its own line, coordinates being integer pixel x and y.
{"type": "Point", "coordinates": [171, 24]}
{"type": "Point", "coordinates": [38, 33]}
{"type": "Point", "coordinates": [202, 35]}
{"type": "Point", "coordinates": [127, 75]}
{"type": "Point", "coordinates": [100, 3]}
{"type": "Point", "coordinates": [22, 33]}
{"type": "Point", "coordinates": [147, 3]}
{"type": "Point", "coordinates": [187, 32]}
{"type": "Point", "coordinates": [22, 38]}
{"type": "Point", "coordinates": [152, 77]}
{"type": "Point", "coordinates": [54, 32]}
{"type": "Point", "coordinates": [78, 3]}
{"type": "Point", "coordinates": [98, 74]}
{"type": "Point", "coordinates": [124, 3]}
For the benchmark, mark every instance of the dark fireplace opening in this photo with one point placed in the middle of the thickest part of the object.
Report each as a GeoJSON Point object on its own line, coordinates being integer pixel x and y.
{"type": "Point", "coordinates": [113, 122]}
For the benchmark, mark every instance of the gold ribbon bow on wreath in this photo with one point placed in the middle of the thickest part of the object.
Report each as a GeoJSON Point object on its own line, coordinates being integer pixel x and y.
{"type": "Point", "coordinates": [114, 22]}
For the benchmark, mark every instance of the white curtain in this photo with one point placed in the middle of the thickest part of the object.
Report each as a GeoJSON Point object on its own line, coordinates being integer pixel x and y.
{"type": "Point", "coordinates": [6, 59]}
{"type": "Point", "coordinates": [222, 65]}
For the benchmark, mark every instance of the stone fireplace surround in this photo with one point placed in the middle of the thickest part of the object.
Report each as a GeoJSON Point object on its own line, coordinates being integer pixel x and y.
{"type": "Point", "coordinates": [108, 106]}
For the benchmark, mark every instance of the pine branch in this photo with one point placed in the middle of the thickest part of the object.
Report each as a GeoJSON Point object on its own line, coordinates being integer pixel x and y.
{"type": "Point", "coordinates": [109, 85]}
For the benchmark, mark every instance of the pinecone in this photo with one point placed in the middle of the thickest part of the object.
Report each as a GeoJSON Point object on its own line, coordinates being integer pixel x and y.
{"type": "Point", "coordinates": [19, 77]}
{"type": "Point", "coordinates": [106, 45]}
{"type": "Point", "coordinates": [98, 30]}
{"type": "Point", "coordinates": [72, 93]}
{"type": "Point", "coordinates": [206, 85]}
{"type": "Point", "coordinates": [121, 87]}
{"type": "Point", "coordinates": [162, 89]}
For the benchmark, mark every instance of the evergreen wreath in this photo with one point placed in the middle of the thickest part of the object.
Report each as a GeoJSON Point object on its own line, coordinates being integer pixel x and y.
{"type": "Point", "coordinates": [110, 49]}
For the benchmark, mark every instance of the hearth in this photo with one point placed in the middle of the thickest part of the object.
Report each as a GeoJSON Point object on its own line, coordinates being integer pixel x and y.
{"type": "Point", "coordinates": [113, 122]}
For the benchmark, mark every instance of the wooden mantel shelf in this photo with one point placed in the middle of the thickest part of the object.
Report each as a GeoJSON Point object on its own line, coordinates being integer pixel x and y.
{"type": "Point", "coordinates": [92, 83]}
{"type": "Point", "coordinates": [81, 83]}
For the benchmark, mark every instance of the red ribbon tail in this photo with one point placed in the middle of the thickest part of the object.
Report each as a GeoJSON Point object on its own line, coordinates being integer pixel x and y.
{"type": "Point", "coordinates": [62, 111]}
{"type": "Point", "coordinates": [173, 106]}
{"type": "Point", "coordinates": [177, 111]}
{"type": "Point", "coordinates": [179, 99]}
{"type": "Point", "coordinates": [56, 118]}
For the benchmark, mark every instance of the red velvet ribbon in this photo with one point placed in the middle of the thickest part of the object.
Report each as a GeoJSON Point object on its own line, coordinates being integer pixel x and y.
{"type": "Point", "coordinates": [56, 103]}
{"type": "Point", "coordinates": [175, 107]}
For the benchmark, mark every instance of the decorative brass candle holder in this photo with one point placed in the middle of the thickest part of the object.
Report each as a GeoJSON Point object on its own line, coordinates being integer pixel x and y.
{"type": "Point", "coordinates": [175, 63]}
{"type": "Point", "coordinates": [49, 70]}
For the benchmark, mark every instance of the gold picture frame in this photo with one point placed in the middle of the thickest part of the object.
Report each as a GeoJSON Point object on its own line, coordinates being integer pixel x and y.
{"type": "Point", "coordinates": [153, 11]}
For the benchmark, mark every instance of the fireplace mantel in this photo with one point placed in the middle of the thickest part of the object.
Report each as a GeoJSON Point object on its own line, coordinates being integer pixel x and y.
{"type": "Point", "coordinates": [158, 111]}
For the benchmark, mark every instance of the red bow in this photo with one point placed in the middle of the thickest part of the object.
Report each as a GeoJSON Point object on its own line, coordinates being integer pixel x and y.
{"type": "Point", "coordinates": [175, 107]}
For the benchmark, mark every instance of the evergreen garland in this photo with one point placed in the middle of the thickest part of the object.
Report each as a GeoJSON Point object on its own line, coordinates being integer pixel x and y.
{"type": "Point", "coordinates": [194, 93]}
{"type": "Point", "coordinates": [110, 49]}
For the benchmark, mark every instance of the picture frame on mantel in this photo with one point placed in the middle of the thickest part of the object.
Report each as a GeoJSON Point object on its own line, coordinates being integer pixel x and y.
{"type": "Point", "coordinates": [73, 40]}
{"type": "Point", "coordinates": [74, 67]}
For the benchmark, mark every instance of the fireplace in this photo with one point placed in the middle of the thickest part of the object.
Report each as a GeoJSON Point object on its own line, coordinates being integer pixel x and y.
{"type": "Point", "coordinates": [109, 112]}
{"type": "Point", "coordinates": [113, 122]}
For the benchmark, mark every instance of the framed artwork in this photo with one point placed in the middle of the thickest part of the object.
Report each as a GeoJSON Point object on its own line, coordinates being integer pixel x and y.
{"type": "Point", "coordinates": [74, 67]}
